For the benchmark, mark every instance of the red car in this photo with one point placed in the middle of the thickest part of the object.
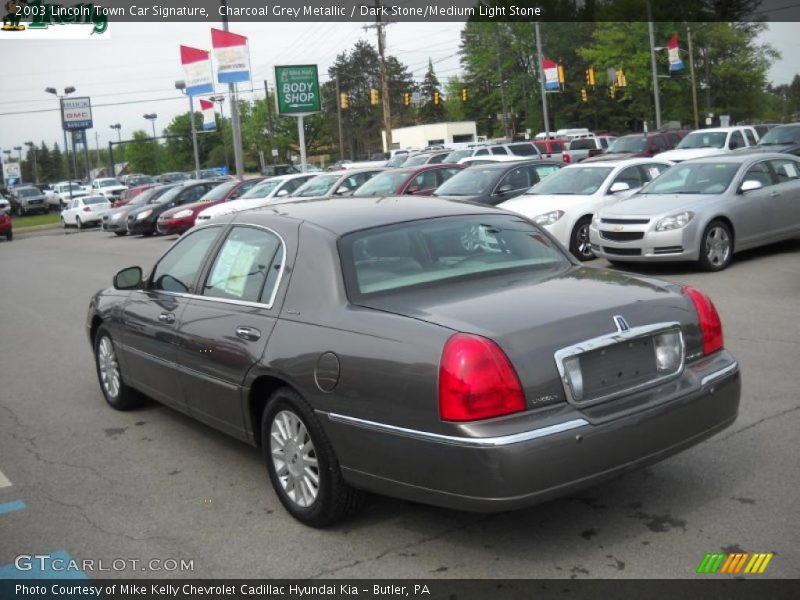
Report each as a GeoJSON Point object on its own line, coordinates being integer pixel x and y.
{"type": "Point", "coordinates": [131, 193]}
{"type": "Point", "coordinates": [181, 218]}
{"type": "Point", "coordinates": [418, 181]}
{"type": "Point", "coordinates": [5, 226]}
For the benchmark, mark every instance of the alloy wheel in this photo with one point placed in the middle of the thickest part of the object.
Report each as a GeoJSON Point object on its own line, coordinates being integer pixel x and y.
{"type": "Point", "coordinates": [718, 246]}
{"type": "Point", "coordinates": [108, 367]}
{"type": "Point", "coordinates": [294, 458]}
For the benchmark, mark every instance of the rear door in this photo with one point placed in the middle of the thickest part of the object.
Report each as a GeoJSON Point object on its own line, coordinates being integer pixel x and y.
{"type": "Point", "coordinates": [786, 210]}
{"type": "Point", "coordinates": [226, 325]}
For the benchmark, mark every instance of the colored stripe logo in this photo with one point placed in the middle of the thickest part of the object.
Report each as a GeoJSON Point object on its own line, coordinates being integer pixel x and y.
{"type": "Point", "coordinates": [734, 563]}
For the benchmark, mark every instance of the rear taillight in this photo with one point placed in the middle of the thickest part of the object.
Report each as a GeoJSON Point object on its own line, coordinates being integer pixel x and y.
{"type": "Point", "coordinates": [710, 324]}
{"type": "Point", "coordinates": [567, 159]}
{"type": "Point", "coordinates": [87, 209]}
{"type": "Point", "coordinates": [476, 380]}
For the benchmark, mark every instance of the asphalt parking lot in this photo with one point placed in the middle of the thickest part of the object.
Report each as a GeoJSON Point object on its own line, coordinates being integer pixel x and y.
{"type": "Point", "coordinates": [79, 478]}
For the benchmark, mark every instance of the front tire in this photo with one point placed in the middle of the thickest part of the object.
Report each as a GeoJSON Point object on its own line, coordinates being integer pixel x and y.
{"type": "Point", "coordinates": [579, 245]}
{"type": "Point", "coordinates": [301, 463]}
{"type": "Point", "coordinates": [118, 394]}
{"type": "Point", "coordinates": [716, 247]}
{"type": "Point", "coordinates": [78, 223]}
{"type": "Point", "coordinates": [121, 233]}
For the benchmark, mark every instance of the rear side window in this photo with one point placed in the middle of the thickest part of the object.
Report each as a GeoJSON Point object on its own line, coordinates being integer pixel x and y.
{"type": "Point", "coordinates": [482, 152]}
{"type": "Point", "coordinates": [441, 251]}
{"type": "Point", "coordinates": [523, 149]}
{"type": "Point", "coordinates": [659, 142]}
{"type": "Point", "coordinates": [751, 139]}
{"type": "Point", "coordinates": [499, 150]}
{"type": "Point", "coordinates": [242, 266]}
{"type": "Point", "coordinates": [785, 169]}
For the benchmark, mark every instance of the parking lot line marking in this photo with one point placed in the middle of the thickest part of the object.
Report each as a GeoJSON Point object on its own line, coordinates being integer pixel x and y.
{"type": "Point", "coordinates": [4, 481]}
{"type": "Point", "coordinates": [43, 569]}
{"type": "Point", "coordinates": [11, 506]}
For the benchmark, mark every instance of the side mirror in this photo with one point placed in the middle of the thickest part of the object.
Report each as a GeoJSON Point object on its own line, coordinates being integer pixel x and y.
{"type": "Point", "coordinates": [504, 189]}
{"type": "Point", "coordinates": [283, 192]}
{"type": "Point", "coordinates": [749, 185]}
{"type": "Point", "coordinates": [413, 189]}
{"type": "Point", "coordinates": [128, 279]}
{"type": "Point", "coordinates": [618, 186]}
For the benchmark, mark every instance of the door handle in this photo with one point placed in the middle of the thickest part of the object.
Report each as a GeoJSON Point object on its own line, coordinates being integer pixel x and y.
{"type": "Point", "coordinates": [248, 333]}
{"type": "Point", "coordinates": [167, 317]}
{"type": "Point", "coordinates": [774, 193]}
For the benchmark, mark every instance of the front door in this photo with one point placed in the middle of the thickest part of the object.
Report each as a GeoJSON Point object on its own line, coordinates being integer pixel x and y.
{"type": "Point", "coordinates": [151, 317]}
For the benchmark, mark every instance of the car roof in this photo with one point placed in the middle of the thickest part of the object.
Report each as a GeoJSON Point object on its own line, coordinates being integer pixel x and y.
{"type": "Point", "coordinates": [344, 215]}
{"type": "Point", "coordinates": [741, 158]}
{"type": "Point", "coordinates": [621, 162]}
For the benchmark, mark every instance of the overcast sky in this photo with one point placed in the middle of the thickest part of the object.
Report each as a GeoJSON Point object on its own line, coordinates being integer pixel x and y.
{"type": "Point", "coordinates": [138, 63]}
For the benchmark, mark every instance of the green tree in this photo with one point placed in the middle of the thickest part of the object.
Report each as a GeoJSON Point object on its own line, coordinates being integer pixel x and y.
{"type": "Point", "coordinates": [362, 122]}
{"type": "Point", "coordinates": [142, 153]}
{"type": "Point", "coordinates": [428, 111]}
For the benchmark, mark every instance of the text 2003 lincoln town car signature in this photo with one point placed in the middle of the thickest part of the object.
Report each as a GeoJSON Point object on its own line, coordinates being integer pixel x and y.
{"type": "Point", "coordinates": [441, 352]}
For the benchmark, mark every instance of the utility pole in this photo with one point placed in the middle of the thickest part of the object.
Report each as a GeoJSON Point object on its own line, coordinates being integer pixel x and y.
{"type": "Point", "coordinates": [653, 64]}
{"type": "Point", "coordinates": [541, 80]}
{"type": "Point", "coordinates": [238, 159]}
{"type": "Point", "coordinates": [694, 82]}
{"type": "Point", "coordinates": [707, 67]}
{"type": "Point", "coordinates": [387, 110]}
{"type": "Point", "coordinates": [506, 128]}
{"type": "Point", "coordinates": [339, 117]}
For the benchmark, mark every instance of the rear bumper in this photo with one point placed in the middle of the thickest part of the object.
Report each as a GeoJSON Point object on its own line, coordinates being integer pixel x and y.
{"type": "Point", "coordinates": [515, 471]}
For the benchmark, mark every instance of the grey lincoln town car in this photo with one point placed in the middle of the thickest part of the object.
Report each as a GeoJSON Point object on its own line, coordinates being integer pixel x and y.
{"type": "Point", "coordinates": [442, 352]}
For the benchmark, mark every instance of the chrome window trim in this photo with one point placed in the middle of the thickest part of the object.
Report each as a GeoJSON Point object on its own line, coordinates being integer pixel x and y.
{"type": "Point", "coordinates": [470, 442]}
{"type": "Point", "coordinates": [275, 289]}
{"type": "Point", "coordinates": [608, 340]}
{"type": "Point", "coordinates": [731, 368]}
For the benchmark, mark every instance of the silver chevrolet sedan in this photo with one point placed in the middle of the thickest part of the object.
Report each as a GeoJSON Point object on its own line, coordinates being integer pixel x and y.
{"type": "Point", "coordinates": [704, 210]}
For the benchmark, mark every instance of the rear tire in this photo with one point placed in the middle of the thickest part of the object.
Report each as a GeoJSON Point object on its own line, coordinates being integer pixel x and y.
{"type": "Point", "coordinates": [716, 247]}
{"type": "Point", "coordinates": [117, 393]}
{"type": "Point", "coordinates": [301, 463]}
{"type": "Point", "coordinates": [9, 235]}
{"type": "Point", "coordinates": [78, 223]}
{"type": "Point", "coordinates": [579, 245]}
{"type": "Point", "coordinates": [147, 233]}
{"type": "Point", "coordinates": [19, 211]}
{"type": "Point", "coordinates": [120, 233]}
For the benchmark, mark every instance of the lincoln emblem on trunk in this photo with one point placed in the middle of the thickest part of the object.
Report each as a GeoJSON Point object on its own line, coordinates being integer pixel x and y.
{"type": "Point", "coordinates": [621, 323]}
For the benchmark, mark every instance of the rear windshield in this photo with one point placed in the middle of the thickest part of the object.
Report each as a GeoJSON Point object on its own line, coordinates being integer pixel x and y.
{"type": "Point", "coordinates": [383, 184]}
{"type": "Point", "coordinates": [441, 251]}
{"type": "Point", "coordinates": [629, 143]}
{"type": "Point", "coordinates": [95, 200]}
{"type": "Point", "coordinates": [583, 144]}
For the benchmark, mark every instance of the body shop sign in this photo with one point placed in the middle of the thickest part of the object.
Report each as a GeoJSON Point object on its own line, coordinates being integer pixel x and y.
{"type": "Point", "coordinates": [76, 113]}
{"type": "Point", "coordinates": [297, 89]}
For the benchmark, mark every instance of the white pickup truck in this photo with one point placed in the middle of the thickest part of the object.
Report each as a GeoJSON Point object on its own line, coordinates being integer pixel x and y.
{"type": "Point", "coordinates": [582, 148]}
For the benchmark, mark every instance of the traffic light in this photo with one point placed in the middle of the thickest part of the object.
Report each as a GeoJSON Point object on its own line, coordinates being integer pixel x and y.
{"type": "Point", "coordinates": [373, 96]}
{"type": "Point", "coordinates": [344, 100]}
{"type": "Point", "coordinates": [464, 94]}
{"type": "Point", "coordinates": [591, 79]}
{"type": "Point", "coordinates": [406, 98]}
{"type": "Point", "coordinates": [622, 81]}
{"type": "Point", "coordinates": [584, 95]}
{"type": "Point", "coordinates": [437, 98]}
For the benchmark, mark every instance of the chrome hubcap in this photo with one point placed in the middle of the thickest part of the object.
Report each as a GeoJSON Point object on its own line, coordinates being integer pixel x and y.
{"type": "Point", "coordinates": [718, 246]}
{"type": "Point", "coordinates": [108, 367]}
{"type": "Point", "coordinates": [294, 458]}
{"type": "Point", "coordinates": [582, 241]}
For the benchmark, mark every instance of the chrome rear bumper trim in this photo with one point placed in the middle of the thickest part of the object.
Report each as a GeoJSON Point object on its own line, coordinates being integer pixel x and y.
{"type": "Point", "coordinates": [719, 374]}
{"type": "Point", "coordinates": [489, 442]}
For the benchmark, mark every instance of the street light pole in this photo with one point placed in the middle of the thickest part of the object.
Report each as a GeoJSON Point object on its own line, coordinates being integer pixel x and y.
{"type": "Point", "coordinates": [238, 158]}
{"type": "Point", "coordinates": [67, 91]}
{"type": "Point", "coordinates": [219, 100]}
{"type": "Point", "coordinates": [152, 118]}
{"type": "Point", "coordinates": [653, 65]}
{"type": "Point", "coordinates": [181, 85]}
